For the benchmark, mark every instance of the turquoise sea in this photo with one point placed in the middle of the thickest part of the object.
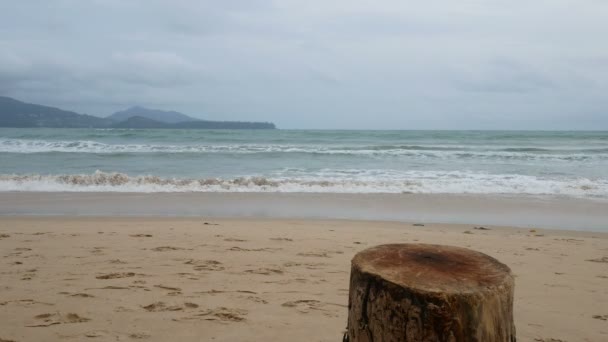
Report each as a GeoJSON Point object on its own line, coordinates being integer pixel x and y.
{"type": "Point", "coordinates": [479, 162]}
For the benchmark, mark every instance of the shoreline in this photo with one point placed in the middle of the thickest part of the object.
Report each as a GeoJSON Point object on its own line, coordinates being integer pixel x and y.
{"type": "Point", "coordinates": [446, 227]}
{"type": "Point", "coordinates": [564, 213]}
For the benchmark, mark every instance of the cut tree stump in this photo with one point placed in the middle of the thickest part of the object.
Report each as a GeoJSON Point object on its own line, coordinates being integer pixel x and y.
{"type": "Point", "coordinates": [430, 293]}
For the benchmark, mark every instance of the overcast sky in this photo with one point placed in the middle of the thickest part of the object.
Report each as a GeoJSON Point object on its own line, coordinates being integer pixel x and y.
{"type": "Point", "coordinates": [483, 64]}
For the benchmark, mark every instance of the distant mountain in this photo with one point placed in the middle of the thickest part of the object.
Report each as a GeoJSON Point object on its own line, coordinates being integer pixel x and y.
{"type": "Point", "coordinates": [139, 122]}
{"type": "Point", "coordinates": [153, 114]}
{"type": "Point", "coordinates": [14, 113]}
{"type": "Point", "coordinates": [203, 124]}
{"type": "Point", "coordinates": [135, 122]}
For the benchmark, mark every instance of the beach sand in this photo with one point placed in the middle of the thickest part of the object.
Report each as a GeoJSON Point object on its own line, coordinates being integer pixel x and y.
{"type": "Point", "coordinates": [203, 279]}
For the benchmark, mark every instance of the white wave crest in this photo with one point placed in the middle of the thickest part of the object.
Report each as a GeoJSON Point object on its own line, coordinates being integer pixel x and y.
{"type": "Point", "coordinates": [329, 182]}
{"type": "Point", "coordinates": [441, 152]}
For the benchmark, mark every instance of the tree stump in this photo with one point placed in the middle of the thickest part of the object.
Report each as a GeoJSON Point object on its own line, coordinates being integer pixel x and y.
{"type": "Point", "coordinates": [430, 293]}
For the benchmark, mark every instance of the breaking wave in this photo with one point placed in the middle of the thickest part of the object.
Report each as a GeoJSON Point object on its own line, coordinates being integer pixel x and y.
{"type": "Point", "coordinates": [328, 181]}
{"type": "Point", "coordinates": [438, 151]}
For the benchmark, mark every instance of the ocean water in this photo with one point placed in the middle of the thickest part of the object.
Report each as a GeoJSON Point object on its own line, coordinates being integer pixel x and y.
{"type": "Point", "coordinates": [478, 162]}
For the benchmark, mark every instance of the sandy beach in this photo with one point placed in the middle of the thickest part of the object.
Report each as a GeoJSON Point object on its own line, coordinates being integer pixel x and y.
{"type": "Point", "coordinates": [202, 279]}
{"type": "Point", "coordinates": [303, 171]}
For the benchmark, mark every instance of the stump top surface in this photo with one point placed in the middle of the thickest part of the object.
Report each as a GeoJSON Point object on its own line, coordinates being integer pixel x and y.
{"type": "Point", "coordinates": [433, 268]}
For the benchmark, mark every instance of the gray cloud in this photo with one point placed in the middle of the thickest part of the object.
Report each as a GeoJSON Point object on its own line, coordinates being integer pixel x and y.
{"type": "Point", "coordinates": [316, 64]}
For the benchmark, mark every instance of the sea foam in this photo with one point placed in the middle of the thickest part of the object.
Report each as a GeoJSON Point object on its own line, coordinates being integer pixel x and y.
{"type": "Point", "coordinates": [328, 181]}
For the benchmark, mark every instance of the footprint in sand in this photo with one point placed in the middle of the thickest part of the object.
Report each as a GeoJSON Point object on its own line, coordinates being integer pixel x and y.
{"type": "Point", "coordinates": [48, 319]}
{"type": "Point", "coordinates": [24, 302]}
{"type": "Point", "coordinates": [95, 334]}
{"type": "Point", "coordinates": [304, 305]}
{"type": "Point", "coordinates": [205, 265]}
{"type": "Point", "coordinates": [104, 335]}
{"type": "Point", "coordinates": [220, 314]}
{"type": "Point", "coordinates": [187, 275]}
{"type": "Point", "coordinates": [267, 249]}
{"type": "Point", "coordinates": [315, 254]}
{"type": "Point", "coordinates": [29, 274]}
{"type": "Point", "coordinates": [98, 250]}
{"type": "Point", "coordinates": [307, 305]}
{"type": "Point", "coordinates": [166, 248]}
{"type": "Point", "coordinates": [601, 317]}
{"type": "Point", "coordinates": [601, 260]}
{"type": "Point", "coordinates": [4, 236]}
{"type": "Point", "coordinates": [174, 291]}
{"type": "Point", "coordinates": [117, 262]}
{"type": "Point", "coordinates": [162, 306]}
{"type": "Point", "coordinates": [308, 265]}
{"type": "Point", "coordinates": [225, 314]}
{"type": "Point", "coordinates": [141, 235]}
{"type": "Point", "coordinates": [214, 292]}
{"type": "Point", "coordinates": [297, 280]}
{"type": "Point", "coordinates": [255, 299]}
{"type": "Point", "coordinates": [18, 252]}
{"type": "Point", "coordinates": [108, 288]}
{"type": "Point", "coordinates": [139, 336]}
{"type": "Point", "coordinates": [319, 254]}
{"type": "Point", "coordinates": [265, 271]}
{"type": "Point", "coordinates": [281, 239]}
{"type": "Point", "coordinates": [116, 275]}
{"type": "Point", "coordinates": [82, 295]}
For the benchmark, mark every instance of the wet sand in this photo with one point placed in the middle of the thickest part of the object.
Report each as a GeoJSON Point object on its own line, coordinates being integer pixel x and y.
{"type": "Point", "coordinates": [201, 279]}
{"type": "Point", "coordinates": [520, 211]}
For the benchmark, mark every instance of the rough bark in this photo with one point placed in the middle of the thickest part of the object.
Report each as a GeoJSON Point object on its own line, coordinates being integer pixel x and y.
{"type": "Point", "coordinates": [430, 293]}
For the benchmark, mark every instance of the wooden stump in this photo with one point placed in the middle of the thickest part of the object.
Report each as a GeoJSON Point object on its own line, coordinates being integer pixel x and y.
{"type": "Point", "coordinates": [430, 293]}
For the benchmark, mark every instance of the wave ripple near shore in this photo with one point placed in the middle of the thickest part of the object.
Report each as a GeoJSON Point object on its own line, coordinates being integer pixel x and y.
{"type": "Point", "coordinates": [412, 182]}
